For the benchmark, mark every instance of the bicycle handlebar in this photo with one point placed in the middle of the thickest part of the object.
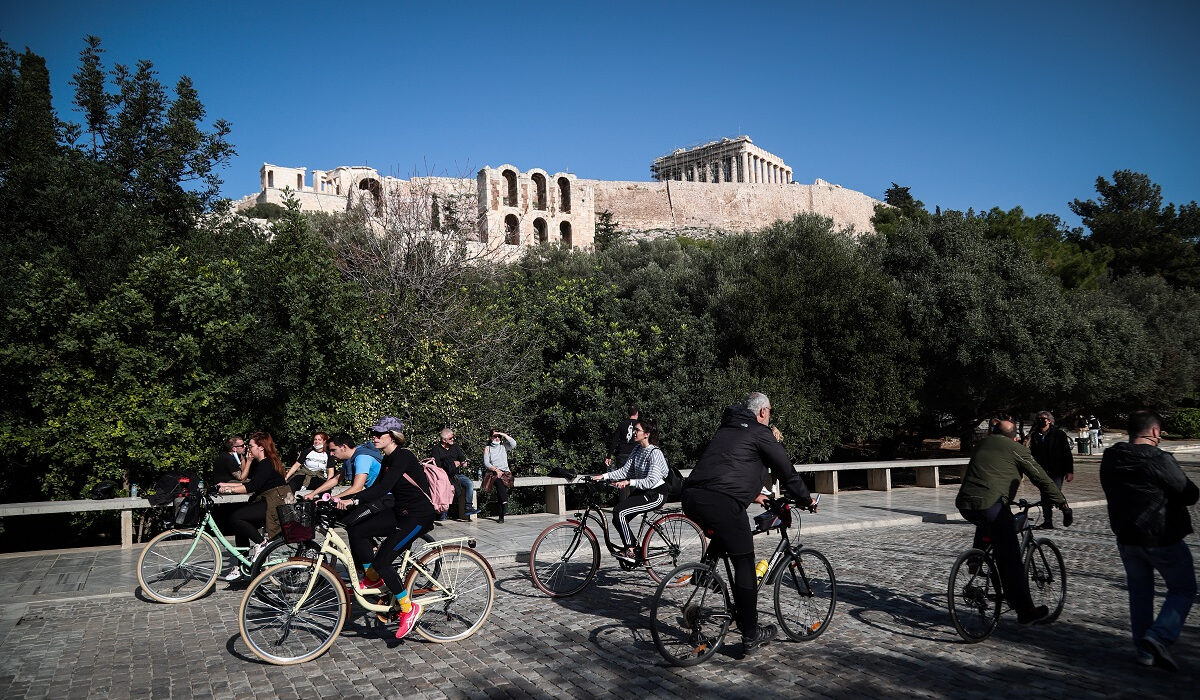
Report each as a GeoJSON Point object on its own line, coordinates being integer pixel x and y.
{"type": "Point", "coordinates": [1068, 514]}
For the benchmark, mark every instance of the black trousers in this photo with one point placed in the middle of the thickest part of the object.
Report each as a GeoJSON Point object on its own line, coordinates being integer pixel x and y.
{"type": "Point", "coordinates": [245, 520]}
{"type": "Point", "coordinates": [724, 521]}
{"type": "Point", "coordinates": [996, 524]}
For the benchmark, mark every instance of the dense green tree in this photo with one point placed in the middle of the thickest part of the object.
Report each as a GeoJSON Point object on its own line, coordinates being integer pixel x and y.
{"type": "Point", "coordinates": [901, 206]}
{"type": "Point", "coordinates": [1049, 241]}
{"type": "Point", "coordinates": [1129, 217]}
{"type": "Point", "coordinates": [818, 323]}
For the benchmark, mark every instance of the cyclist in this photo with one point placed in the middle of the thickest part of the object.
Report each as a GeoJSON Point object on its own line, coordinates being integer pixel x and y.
{"type": "Point", "coordinates": [726, 480]}
{"type": "Point", "coordinates": [411, 515]}
{"type": "Point", "coordinates": [988, 487]}
{"type": "Point", "coordinates": [361, 464]}
{"type": "Point", "coordinates": [645, 471]}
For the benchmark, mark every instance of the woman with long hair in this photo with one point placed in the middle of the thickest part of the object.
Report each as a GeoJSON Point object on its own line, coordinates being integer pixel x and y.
{"type": "Point", "coordinates": [263, 474]}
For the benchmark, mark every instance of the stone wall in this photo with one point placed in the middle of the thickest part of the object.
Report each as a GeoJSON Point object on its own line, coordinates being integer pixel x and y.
{"type": "Point", "coordinates": [734, 207]}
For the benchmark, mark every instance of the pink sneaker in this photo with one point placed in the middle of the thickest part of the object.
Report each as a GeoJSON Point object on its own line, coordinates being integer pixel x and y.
{"type": "Point", "coordinates": [365, 585]}
{"type": "Point", "coordinates": [408, 621]}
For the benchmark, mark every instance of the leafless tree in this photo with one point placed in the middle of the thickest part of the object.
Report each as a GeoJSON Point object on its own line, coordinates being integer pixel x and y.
{"type": "Point", "coordinates": [415, 247]}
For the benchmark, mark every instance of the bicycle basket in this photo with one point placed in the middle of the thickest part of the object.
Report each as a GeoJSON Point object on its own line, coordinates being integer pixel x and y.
{"type": "Point", "coordinates": [298, 520]}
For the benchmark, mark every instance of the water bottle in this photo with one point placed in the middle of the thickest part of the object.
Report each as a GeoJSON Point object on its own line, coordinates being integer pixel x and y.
{"type": "Point", "coordinates": [201, 486]}
{"type": "Point", "coordinates": [760, 569]}
{"type": "Point", "coordinates": [133, 491]}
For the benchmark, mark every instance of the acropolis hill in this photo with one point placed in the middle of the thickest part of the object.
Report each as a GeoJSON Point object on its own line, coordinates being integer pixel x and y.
{"type": "Point", "coordinates": [727, 185]}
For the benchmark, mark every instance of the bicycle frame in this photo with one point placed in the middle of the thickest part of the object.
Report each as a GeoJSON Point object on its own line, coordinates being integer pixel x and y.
{"type": "Point", "coordinates": [784, 548]}
{"type": "Point", "coordinates": [335, 546]}
{"type": "Point", "coordinates": [592, 511]}
{"type": "Point", "coordinates": [208, 525]}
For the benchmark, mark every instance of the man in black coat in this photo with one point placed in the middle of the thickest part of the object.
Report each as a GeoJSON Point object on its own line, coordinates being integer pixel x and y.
{"type": "Point", "coordinates": [741, 457]}
{"type": "Point", "coordinates": [1052, 449]}
{"type": "Point", "coordinates": [1148, 498]}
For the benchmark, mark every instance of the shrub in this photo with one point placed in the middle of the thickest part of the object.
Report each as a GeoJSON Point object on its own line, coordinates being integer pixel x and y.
{"type": "Point", "coordinates": [1184, 423]}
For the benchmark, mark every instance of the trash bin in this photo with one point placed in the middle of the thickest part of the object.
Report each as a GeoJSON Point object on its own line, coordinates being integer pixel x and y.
{"type": "Point", "coordinates": [1085, 445]}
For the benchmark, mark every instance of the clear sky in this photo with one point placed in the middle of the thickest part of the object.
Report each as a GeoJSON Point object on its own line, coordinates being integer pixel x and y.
{"type": "Point", "coordinates": [969, 104]}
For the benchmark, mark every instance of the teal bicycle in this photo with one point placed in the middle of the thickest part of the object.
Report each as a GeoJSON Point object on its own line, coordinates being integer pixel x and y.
{"type": "Point", "coordinates": [182, 563]}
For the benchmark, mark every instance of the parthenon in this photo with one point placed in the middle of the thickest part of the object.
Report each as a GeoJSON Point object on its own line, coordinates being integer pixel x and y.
{"type": "Point", "coordinates": [727, 160]}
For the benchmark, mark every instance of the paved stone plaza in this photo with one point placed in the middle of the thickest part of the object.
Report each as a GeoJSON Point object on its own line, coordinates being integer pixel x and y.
{"type": "Point", "coordinates": [73, 627]}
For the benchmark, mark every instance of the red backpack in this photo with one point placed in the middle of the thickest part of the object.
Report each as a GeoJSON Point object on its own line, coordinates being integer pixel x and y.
{"type": "Point", "coordinates": [441, 491]}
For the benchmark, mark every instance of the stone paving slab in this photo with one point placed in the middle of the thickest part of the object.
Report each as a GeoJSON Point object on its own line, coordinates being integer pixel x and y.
{"type": "Point", "coordinates": [891, 635]}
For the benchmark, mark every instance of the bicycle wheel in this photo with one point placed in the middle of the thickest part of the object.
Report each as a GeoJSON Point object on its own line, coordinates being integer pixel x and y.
{"type": "Point", "coordinates": [460, 610]}
{"type": "Point", "coordinates": [280, 550]}
{"type": "Point", "coordinates": [559, 560]}
{"type": "Point", "coordinates": [179, 565]}
{"type": "Point", "coordinates": [1047, 576]}
{"type": "Point", "coordinates": [975, 595]}
{"type": "Point", "coordinates": [672, 540]}
{"type": "Point", "coordinates": [805, 595]}
{"type": "Point", "coordinates": [690, 614]}
{"type": "Point", "coordinates": [278, 631]}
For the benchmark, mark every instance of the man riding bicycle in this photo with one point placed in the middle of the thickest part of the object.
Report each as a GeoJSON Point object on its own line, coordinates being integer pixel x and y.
{"type": "Point", "coordinates": [988, 487]}
{"type": "Point", "coordinates": [730, 476]}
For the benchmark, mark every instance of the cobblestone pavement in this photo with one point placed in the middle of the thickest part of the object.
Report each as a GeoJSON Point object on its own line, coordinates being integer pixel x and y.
{"type": "Point", "coordinates": [890, 637]}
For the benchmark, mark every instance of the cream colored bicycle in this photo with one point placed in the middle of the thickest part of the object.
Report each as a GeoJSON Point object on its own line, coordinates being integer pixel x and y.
{"type": "Point", "coordinates": [293, 612]}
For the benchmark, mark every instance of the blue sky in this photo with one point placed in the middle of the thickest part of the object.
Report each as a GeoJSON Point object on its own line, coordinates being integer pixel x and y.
{"type": "Point", "coordinates": [1008, 104]}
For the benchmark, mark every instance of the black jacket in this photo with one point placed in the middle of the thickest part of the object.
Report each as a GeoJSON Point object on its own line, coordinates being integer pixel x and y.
{"type": "Point", "coordinates": [1052, 451]}
{"type": "Point", "coordinates": [621, 444]}
{"type": "Point", "coordinates": [737, 459]}
{"type": "Point", "coordinates": [1148, 495]}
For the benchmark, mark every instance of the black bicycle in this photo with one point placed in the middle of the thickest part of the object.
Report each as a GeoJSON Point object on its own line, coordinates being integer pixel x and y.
{"type": "Point", "coordinates": [693, 608]}
{"type": "Point", "coordinates": [566, 555]}
{"type": "Point", "coordinates": [976, 595]}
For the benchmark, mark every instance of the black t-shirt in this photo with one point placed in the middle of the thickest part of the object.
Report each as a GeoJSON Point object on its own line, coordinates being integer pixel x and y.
{"type": "Point", "coordinates": [263, 477]}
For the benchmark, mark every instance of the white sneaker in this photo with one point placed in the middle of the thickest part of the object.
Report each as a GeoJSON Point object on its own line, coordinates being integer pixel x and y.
{"type": "Point", "coordinates": [234, 574]}
{"type": "Point", "coordinates": [256, 550]}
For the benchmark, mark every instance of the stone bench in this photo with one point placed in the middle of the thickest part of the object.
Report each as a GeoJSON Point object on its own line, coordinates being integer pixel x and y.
{"type": "Point", "coordinates": [126, 505]}
{"type": "Point", "coordinates": [879, 474]}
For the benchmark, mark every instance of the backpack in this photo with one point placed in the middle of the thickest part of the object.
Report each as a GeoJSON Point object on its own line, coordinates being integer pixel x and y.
{"type": "Point", "coordinates": [674, 482]}
{"type": "Point", "coordinates": [441, 491]}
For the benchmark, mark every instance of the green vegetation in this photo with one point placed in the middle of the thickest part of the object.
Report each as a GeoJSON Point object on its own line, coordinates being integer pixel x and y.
{"type": "Point", "coordinates": [1184, 423]}
{"type": "Point", "coordinates": [144, 323]}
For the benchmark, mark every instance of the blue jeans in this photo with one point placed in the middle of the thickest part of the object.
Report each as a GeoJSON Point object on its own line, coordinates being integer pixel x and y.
{"type": "Point", "coordinates": [463, 484]}
{"type": "Point", "coordinates": [1174, 563]}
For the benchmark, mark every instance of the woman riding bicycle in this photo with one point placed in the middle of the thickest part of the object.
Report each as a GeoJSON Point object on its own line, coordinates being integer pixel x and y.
{"type": "Point", "coordinates": [645, 472]}
{"type": "Point", "coordinates": [411, 515]}
{"type": "Point", "coordinates": [267, 489]}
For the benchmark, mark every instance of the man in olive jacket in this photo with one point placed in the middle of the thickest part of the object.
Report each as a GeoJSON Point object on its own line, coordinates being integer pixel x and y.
{"type": "Point", "coordinates": [1148, 497]}
{"type": "Point", "coordinates": [987, 490]}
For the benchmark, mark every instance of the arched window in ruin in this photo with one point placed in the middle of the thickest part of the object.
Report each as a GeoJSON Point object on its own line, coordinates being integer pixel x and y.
{"type": "Point", "coordinates": [435, 215]}
{"type": "Point", "coordinates": [299, 182]}
{"type": "Point", "coordinates": [564, 195]}
{"type": "Point", "coordinates": [512, 230]}
{"type": "Point", "coordinates": [540, 232]}
{"type": "Point", "coordinates": [270, 178]}
{"type": "Point", "coordinates": [370, 184]}
{"type": "Point", "coordinates": [539, 191]}
{"type": "Point", "coordinates": [510, 180]}
{"type": "Point", "coordinates": [564, 233]}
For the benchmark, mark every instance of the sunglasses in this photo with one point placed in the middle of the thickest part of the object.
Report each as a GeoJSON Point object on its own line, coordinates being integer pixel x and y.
{"type": "Point", "coordinates": [378, 434]}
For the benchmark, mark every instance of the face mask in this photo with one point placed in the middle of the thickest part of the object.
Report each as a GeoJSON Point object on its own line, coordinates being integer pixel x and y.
{"type": "Point", "coordinates": [495, 441]}
{"type": "Point", "coordinates": [318, 446]}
